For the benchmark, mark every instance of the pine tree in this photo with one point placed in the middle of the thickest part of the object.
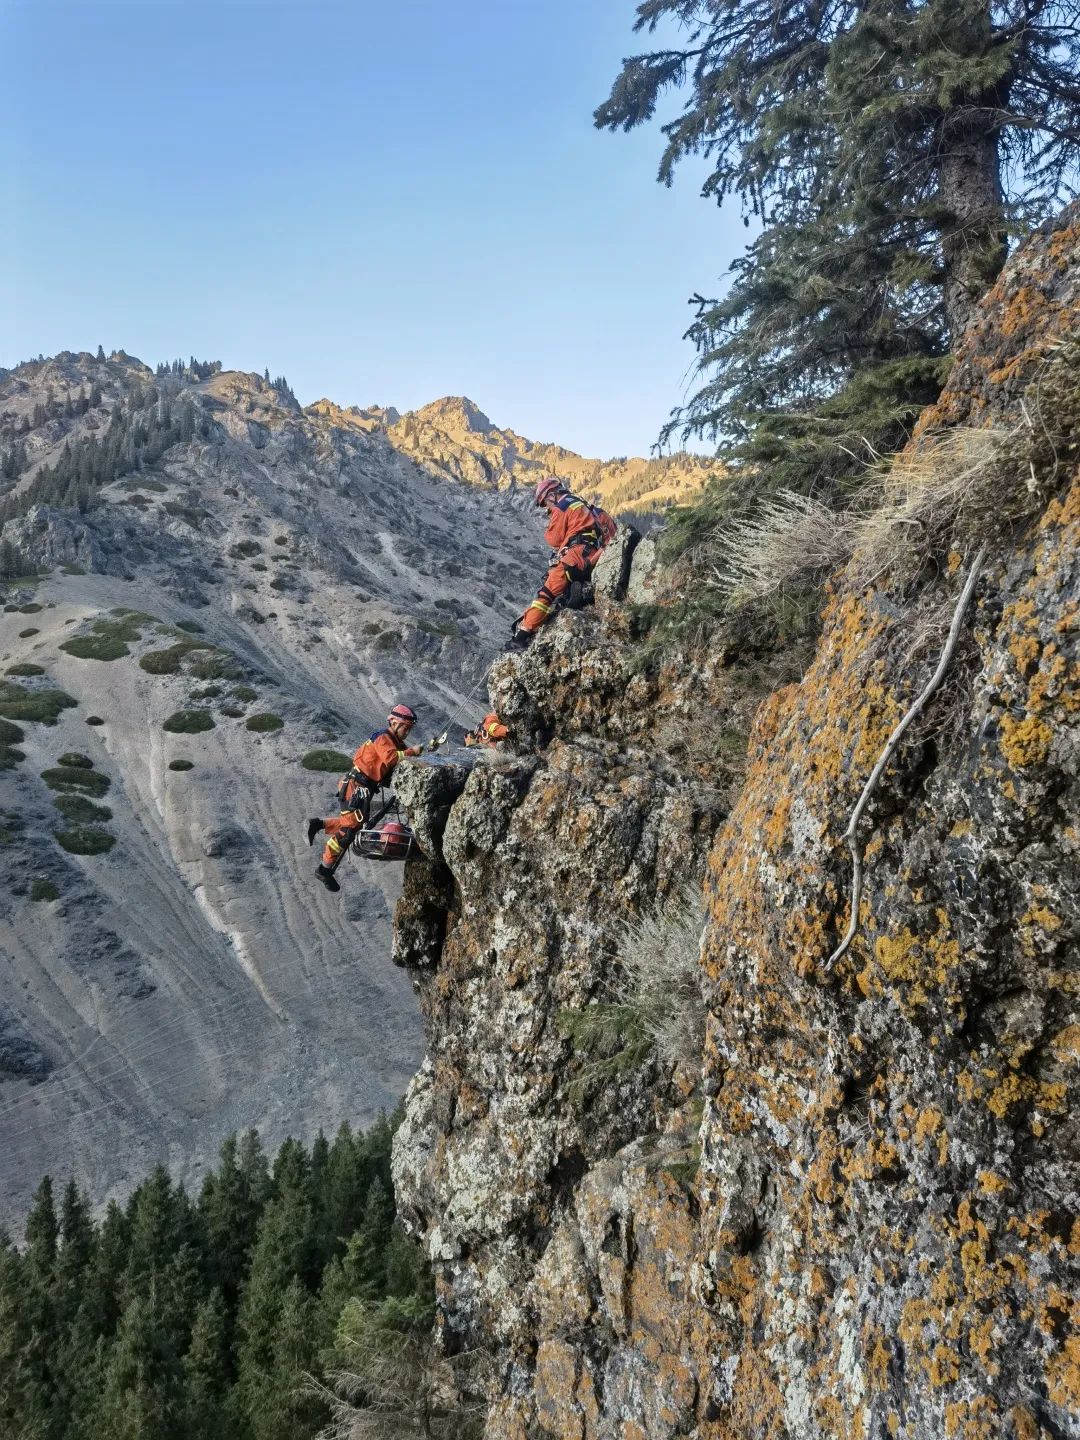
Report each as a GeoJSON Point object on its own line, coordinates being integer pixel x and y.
{"type": "Point", "coordinates": [206, 1373]}
{"type": "Point", "coordinates": [141, 1398]}
{"type": "Point", "coordinates": [100, 356]}
{"type": "Point", "coordinates": [888, 146]}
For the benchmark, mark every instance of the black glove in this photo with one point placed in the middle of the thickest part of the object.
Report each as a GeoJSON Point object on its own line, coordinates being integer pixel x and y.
{"type": "Point", "coordinates": [520, 640]}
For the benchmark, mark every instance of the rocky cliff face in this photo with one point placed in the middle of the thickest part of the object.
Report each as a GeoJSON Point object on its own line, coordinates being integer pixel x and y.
{"type": "Point", "coordinates": [855, 1216]}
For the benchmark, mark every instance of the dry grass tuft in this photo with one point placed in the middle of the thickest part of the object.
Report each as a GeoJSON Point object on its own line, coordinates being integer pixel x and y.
{"type": "Point", "coordinates": [784, 542]}
{"type": "Point", "coordinates": [660, 956]}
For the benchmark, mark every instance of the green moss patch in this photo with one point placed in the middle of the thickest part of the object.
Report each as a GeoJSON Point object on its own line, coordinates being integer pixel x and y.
{"type": "Point", "coordinates": [234, 712]}
{"type": "Point", "coordinates": [10, 734]}
{"type": "Point", "coordinates": [72, 570]}
{"type": "Point", "coordinates": [191, 626]}
{"type": "Point", "coordinates": [181, 765]}
{"type": "Point", "coordinates": [26, 634]}
{"type": "Point", "coordinates": [330, 760]}
{"type": "Point", "coordinates": [245, 693]}
{"type": "Point", "coordinates": [37, 706]}
{"type": "Point", "coordinates": [265, 722]}
{"type": "Point", "coordinates": [73, 760]}
{"type": "Point", "coordinates": [89, 782]}
{"type": "Point", "coordinates": [43, 890]}
{"type": "Point", "coordinates": [80, 810]}
{"type": "Point", "coordinates": [31, 609]}
{"type": "Point", "coordinates": [188, 722]}
{"type": "Point", "coordinates": [85, 840]}
{"type": "Point", "coordinates": [24, 668]}
{"type": "Point", "coordinates": [244, 549]}
{"type": "Point", "coordinates": [10, 757]}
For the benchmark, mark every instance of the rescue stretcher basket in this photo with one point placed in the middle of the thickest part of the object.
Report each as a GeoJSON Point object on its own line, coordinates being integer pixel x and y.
{"type": "Point", "coordinates": [387, 835]}
{"type": "Point", "coordinates": [390, 840]}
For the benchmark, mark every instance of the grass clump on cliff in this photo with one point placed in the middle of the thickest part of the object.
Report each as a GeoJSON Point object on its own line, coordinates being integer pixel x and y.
{"type": "Point", "coordinates": [41, 707]}
{"type": "Point", "coordinates": [88, 782]}
{"type": "Point", "coordinates": [329, 760]}
{"type": "Point", "coordinates": [24, 668]}
{"type": "Point", "coordinates": [43, 890]}
{"type": "Point", "coordinates": [265, 723]}
{"type": "Point", "coordinates": [85, 840]}
{"type": "Point", "coordinates": [167, 661]}
{"type": "Point", "coordinates": [80, 810]}
{"type": "Point", "coordinates": [188, 722]}
{"type": "Point", "coordinates": [109, 639]}
{"type": "Point", "coordinates": [654, 1009]}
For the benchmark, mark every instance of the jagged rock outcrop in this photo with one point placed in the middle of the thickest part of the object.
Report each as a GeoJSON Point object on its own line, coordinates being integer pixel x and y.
{"type": "Point", "coordinates": [870, 1229]}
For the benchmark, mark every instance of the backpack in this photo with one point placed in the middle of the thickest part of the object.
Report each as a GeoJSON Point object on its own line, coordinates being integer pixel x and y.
{"type": "Point", "coordinates": [606, 529]}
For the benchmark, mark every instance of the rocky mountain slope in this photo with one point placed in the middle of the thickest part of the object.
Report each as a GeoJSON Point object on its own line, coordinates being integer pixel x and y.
{"type": "Point", "coordinates": [853, 1213]}
{"type": "Point", "coordinates": [453, 437]}
{"type": "Point", "coordinates": [277, 579]}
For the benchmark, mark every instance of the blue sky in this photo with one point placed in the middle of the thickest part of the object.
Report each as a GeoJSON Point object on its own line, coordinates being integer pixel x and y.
{"type": "Point", "coordinates": [387, 202]}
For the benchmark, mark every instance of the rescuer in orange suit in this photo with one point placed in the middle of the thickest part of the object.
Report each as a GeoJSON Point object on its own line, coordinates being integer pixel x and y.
{"type": "Point", "coordinates": [373, 764]}
{"type": "Point", "coordinates": [489, 732]}
{"type": "Point", "coordinates": [576, 532]}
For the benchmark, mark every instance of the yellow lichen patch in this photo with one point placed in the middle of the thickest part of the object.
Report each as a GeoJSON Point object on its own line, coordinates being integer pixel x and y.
{"type": "Point", "coordinates": [990, 1183]}
{"type": "Point", "coordinates": [944, 1367]}
{"type": "Point", "coordinates": [1066, 1044]}
{"type": "Point", "coordinates": [1063, 1375]}
{"type": "Point", "coordinates": [978, 1419]}
{"type": "Point", "coordinates": [1025, 741]}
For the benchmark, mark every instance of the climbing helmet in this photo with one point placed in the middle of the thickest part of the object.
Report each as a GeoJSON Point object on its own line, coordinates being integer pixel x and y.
{"type": "Point", "coordinates": [546, 489]}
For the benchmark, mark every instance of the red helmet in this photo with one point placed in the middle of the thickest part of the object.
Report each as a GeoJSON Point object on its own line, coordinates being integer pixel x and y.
{"type": "Point", "coordinates": [394, 839]}
{"type": "Point", "coordinates": [402, 712]}
{"type": "Point", "coordinates": [546, 489]}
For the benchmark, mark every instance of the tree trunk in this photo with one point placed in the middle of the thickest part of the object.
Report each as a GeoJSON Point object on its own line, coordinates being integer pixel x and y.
{"type": "Point", "coordinates": [973, 241]}
{"type": "Point", "coordinates": [973, 237]}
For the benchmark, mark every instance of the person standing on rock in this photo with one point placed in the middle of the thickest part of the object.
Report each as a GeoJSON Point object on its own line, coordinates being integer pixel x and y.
{"type": "Point", "coordinates": [577, 532]}
{"type": "Point", "coordinates": [373, 764]}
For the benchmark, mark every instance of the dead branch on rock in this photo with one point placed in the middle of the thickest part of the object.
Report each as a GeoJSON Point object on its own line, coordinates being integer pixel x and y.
{"type": "Point", "coordinates": [851, 834]}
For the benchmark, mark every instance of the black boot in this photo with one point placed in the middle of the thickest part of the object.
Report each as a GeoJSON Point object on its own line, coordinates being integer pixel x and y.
{"type": "Point", "coordinates": [327, 878]}
{"type": "Point", "coordinates": [314, 825]}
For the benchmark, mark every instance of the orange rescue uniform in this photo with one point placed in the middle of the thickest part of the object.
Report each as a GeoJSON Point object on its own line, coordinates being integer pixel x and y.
{"type": "Point", "coordinates": [573, 532]}
{"type": "Point", "coordinates": [489, 732]}
{"type": "Point", "coordinates": [373, 764]}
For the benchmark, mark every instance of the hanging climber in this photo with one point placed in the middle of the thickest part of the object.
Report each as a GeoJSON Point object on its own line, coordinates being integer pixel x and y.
{"type": "Point", "coordinates": [373, 764]}
{"type": "Point", "coordinates": [489, 732]}
{"type": "Point", "coordinates": [577, 532]}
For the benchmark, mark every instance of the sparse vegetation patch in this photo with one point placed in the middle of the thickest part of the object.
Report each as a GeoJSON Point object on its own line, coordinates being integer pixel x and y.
{"type": "Point", "coordinates": [265, 722]}
{"type": "Point", "coordinates": [330, 760]}
{"type": "Point", "coordinates": [24, 668]}
{"type": "Point", "coordinates": [43, 890]}
{"type": "Point", "coordinates": [38, 706]}
{"type": "Point", "coordinates": [85, 840]}
{"type": "Point", "coordinates": [188, 722]}
{"type": "Point", "coordinates": [80, 810]}
{"type": "Point", "coordinates": [90, 782]}
{"type": "Point", "coordinates": [73, 760]}
{"type": "Point", "coordinates": [167, 662]}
